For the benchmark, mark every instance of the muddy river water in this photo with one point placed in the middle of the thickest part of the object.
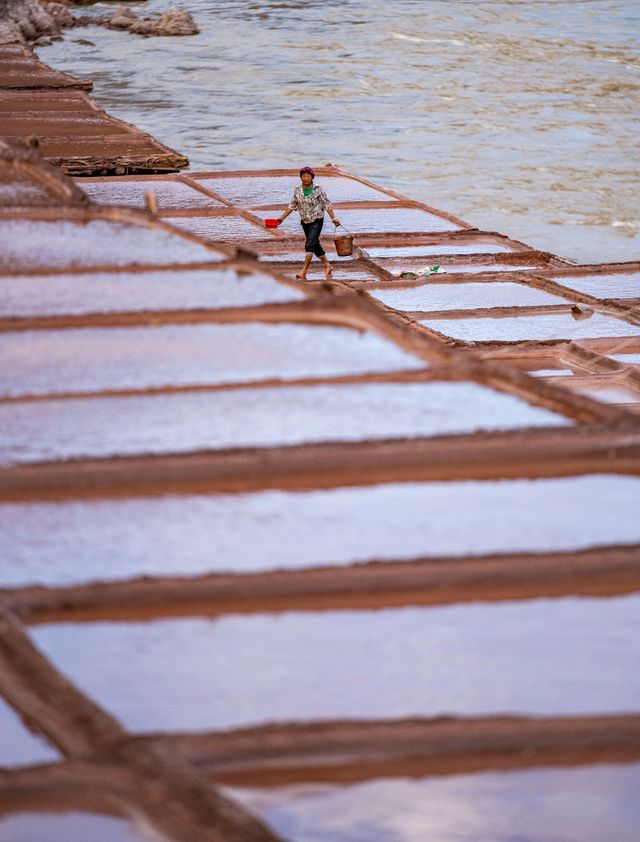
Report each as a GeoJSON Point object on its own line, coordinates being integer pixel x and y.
{"type": "Point", "coordinates": [520, 117]}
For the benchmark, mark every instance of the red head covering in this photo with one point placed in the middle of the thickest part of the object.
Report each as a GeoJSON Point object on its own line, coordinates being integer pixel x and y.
{"type": "Point", "coordinates": [309, 170]}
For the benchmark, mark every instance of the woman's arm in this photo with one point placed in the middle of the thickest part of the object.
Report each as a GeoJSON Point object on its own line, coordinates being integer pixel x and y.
{"type": "Point", "coordinates": [284, 215]}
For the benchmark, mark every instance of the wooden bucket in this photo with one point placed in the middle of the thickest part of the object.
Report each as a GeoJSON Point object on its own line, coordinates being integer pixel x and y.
{"type": "Point", "coordinates": [343, 243]}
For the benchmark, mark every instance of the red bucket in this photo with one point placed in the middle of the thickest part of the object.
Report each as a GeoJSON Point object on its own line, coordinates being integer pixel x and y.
{"type": "Point", "coordinates": [272, 223]}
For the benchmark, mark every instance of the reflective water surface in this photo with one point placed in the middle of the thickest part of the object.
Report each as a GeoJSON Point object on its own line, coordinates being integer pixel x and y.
{"type": "Point", "coordinates": [28, 245]}
{"type": "Point", "coordinates": [520, 117]}
{"type": "Point", "coordinates": [75, 541]}
{"type": "Point", "coordinates": [64, 429]}
{"type": "Point", "coordinates": [514, 329]}
{"type": "Point", "coordinates": [594, 803]}
{"type": "Point", "coordinates": [169, 194]}
{"type": "Point", "coordinates": [563, 656]}
{"type": "Point", "coordinates": [101, 359]}
{"type": "Point", "coordinates": [118, 292]}
{"type": "Point", "coordinates": [20, 746]}
{"type": "Point", "coordinates": [604, 286]}
{"type": "Point", "coordinates": [66, 827]}
{"type": "Point", "coordinates": [465, 296]}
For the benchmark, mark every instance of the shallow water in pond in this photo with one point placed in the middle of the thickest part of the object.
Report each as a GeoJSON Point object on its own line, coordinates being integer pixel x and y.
{"type": "Point", "coordinates": [66, 827]}
{"type": "Point", "coordinates": [77, 541]}
{"type": "Point", "coordinates": [373, 220]}
{"type": "Point", "coordinates": [28, 245]}
{"type": "Point", "coordinates": [19, 746]}
{"type": "Point", "coordinates": [627, 359]}
{"type": "Point", "coordinates": [45, 430]}
{"type": "Point", "coordinates": [478, 247]}
{"type": "Point", "coordinates": [465, 296]}
{"type": "Point", "coordinates": [168, 193]}
{"type": "Point", "coordinates": [545, 657]}
{"type": "Point", "coordinates": [540, 327]}
{"type": "Point", "coordinates": [102, 359]}
{"type": "Point", "coordinates": [251, 192]}
{"type": "Point", "coordinates": [519, 117]}
{"type": "Point", "coordinates": [603, 286]}
{"type": "Point", "coordinates": [123, 292]}
{"type": "Point", "coordinates": [540, 805]}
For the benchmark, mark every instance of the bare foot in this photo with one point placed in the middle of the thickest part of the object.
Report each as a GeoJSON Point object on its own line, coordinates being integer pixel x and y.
{"type": "Point", "coordinates": [301, 276]}
{"type": "Point", "coordinates": [328, 272]}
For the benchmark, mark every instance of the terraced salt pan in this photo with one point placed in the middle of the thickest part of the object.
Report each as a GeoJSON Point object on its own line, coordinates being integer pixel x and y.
{"type": "Point", "coordinates": [378, 220]}
{"type": "Point", "coordinates": [130, 192]}
{"type": "Point", "coordinates": [28, 245]}
{"type": "Point", "coordinates": [627, 359]}
{"type": "Point", "coordinates": [248, 191]}
{"type": "Point", "coordinates": [538, 657]}
{"type": "Point", "coordinates": [218, 227]}
{"type": "Point", "coordinates": [19, 746]}
{"type": "Point", "coordinates": [540, 327]}
{"type": "Point", "coordinates": [603, 286]}
{"type": "Point", "coordinates": [479, 268]}
{"type": "Point", "coordinates": [551, 372]}
{"type": "Point", "coordinates": [76, 541]}
{"type": "Point", "coordinates": [52, 430]}
{"type": "Point", "coordinates": [478, 247]}
{"type": "Point", "coordinates": [396, 266]}
{"type": "Point", "coordinates": [65, 827]}
{"type": "Point", "coordinates": [118, 292]}
{"type": "Point", "coordinates": [498, 806]}
{"type": "Point", "coordinates": [437, 296]}
{"type": "Point", "coordinates": [100, 359]}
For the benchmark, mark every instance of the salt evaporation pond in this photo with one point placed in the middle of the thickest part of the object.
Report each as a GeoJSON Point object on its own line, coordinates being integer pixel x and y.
{"type": "Point", "coordinates": [66, 827]}
{"type": "Point", "coordinates": [258, 191]}
{"type": "Point", "coordinates": [25, 296]}
{"type": "Point", "coordinates": [64, 429]}
{"type": "Point", "coordinates": [538, 327]}
{"type": "Point", "coordinates": [627, 359]}
{"type": "Point", "coordinates": [551, 372]}
{"type": "Point", "coordinates": [477, 247]}
{"type": "Point", "coordinates": [19, 746]}
{"type": "Point", "coordinates": [102, 359]}
{"type": "Point", "coordinates": [376, 220]}
{"type": "Point", "coordinates": [541, 805]}
{"type": "Point", "coordinates": [28, 245]}
{"type": "Point", "coordinates": [540, 657]}
{"type": "Point", "coordinates": [615, 285]}
{"type": "Point", "coordinates": [169, 193]}
{"type": "Point", "coordinates": [465, 296]}
{"type": "Point", "coordinates": [396, 266]}
{"type": "Point", "coordinates": [76, 541]}
{"type": "Point", "coordinates": [218, 227]}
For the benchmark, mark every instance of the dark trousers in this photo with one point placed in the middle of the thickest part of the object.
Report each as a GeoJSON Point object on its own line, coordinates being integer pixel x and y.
{"type": "Point", "coordinates": [312, 233]}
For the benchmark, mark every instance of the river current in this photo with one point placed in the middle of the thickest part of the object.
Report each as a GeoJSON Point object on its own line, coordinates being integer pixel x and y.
{"type": "Point", "coordinates": [520, 117]}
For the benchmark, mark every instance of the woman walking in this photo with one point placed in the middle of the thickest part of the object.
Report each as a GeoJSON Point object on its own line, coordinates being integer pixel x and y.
{"type": "Point", "coordinates": [311, 201]}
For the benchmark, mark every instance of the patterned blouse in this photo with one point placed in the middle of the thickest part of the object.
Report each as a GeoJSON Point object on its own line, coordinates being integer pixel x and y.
{"type": "Point", "coordinates": [312, 206]}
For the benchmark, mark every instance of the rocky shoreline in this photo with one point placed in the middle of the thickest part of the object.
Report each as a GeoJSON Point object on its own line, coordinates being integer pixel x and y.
{"type": "Point", "coordinates": [38, 22]}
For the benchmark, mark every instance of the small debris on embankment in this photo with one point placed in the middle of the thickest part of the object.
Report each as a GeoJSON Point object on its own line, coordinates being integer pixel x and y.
{"type": "Point", "coordinates": [38, 23]}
